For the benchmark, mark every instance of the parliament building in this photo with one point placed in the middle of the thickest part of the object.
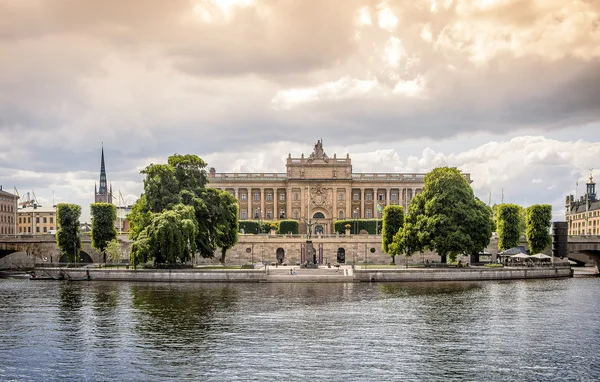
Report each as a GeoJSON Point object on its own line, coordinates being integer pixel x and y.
{"type": "Point", "coordinates": [318, 189]}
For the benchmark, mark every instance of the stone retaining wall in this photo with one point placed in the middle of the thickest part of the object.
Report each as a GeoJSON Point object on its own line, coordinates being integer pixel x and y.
{"type": "Point", "coordinates": [261, 275]}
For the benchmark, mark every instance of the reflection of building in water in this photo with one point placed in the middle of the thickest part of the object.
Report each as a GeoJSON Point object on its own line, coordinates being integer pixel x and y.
{"type": "Point", "coordinates": [583, 214]}
{"type": "Point", "coordinates": [319, 189]}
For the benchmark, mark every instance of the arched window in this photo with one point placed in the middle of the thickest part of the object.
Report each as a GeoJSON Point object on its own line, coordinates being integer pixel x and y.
{"type": "Point", "coordinates": [319, 215]}
{"type": "Point", "coordinates": [341, 214]}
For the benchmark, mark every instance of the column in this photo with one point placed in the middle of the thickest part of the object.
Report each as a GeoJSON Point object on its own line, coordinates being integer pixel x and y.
{"type": "Point", "coordinates": [348, 214]}
{"type": "Point", "coordinates": [262, 214]}
{"type": "Point", "coordinates": [362, 203]}
{"type": "Point", "coordinates": [387, 197]}
{"type": "Point", "coordinates": [236, 194]}
{"type": "Point", "coordinates": [302, 204]}
{"type": "Point", "coordinates": [275, 201]}
{"type": "Point", "coordinates": [288, 203]}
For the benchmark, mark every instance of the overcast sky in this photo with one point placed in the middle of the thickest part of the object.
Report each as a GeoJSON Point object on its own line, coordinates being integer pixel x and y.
{"type": "Point", "coordinates": [508, 90]}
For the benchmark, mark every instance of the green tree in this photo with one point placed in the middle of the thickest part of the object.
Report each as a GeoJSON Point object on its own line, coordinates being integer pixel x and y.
{"type": "Point", "coordinates": [446, 217]}
{"type": "Point", "coordinates": [508, 225]}
{"type": "Point", "coordinates": [170, 237]}
{"type": "Point", "coordinates": [521, 218]}
{"type": "Point", "coordinates": [538, 221]}
{"type": "Point", "coordinates": [227, 226]}
{"type": "Point", "coordinates": [393, 220]}
{"type": "Point", "coordinates": [114, 253]}
{"type": "Point", "coordinates": [67, 235]}
{"type": "Point", "coordinates": [139, 218]}
{"type": "Point", "coordinates": [103, 230]}
{"type": "Point", "coordinates": [182, 181]}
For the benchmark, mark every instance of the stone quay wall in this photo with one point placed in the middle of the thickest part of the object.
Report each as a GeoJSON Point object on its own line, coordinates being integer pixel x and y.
{"type": "Point", "coordinates": [264, 275]}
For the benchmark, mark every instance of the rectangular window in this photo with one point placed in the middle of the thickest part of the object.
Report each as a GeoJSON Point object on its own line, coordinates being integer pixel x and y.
{"type": "Point", "coordinates": [257, 196]}
{"type": "Point", "coordinates": [45, 229]}
{"type": "Point", "coordinates": [269, 214]}
{"type": "Point", "coordinates": [269, 197]}
{"type": "Point", "coordinates": [368, 197]}
{"type": "Point", "coordinates": [295, 196]}
{"type": "Point", "coordinates": [37, 220]}
{"type": "Point", "coordinates": [37, 229]}
{"type": "Point", "coordinates": [19, 220]}
{"type": "Point", "coordinates": [243, 197]}
{"type": "Point", "coordinates": [51, 220]}
{"type": "Point", "coordinates": [341, 196]}
{"type": "Point", "coordinates": [369, 214]}
{"type": "Point", "coordinates": [28, 229]}
{"type": "Point", "coordinates": [355, 214]}
{"type": "Point", "coordinates": [244, 215]}
{"type": "Point", "coordinates": [282, 197]}
{"type": "Point", "coordinates": [394, 196]}
{"type": "Point", "coordinates": [45, 220]}
{"type": "Point", "coordinates": [381, 197]}
{"type": "Point", "coordinates": [355, 196]}
{"type": "Point", "coordinates": [296, 215]}
{"type": "Point", "coordinates": [257, 214]}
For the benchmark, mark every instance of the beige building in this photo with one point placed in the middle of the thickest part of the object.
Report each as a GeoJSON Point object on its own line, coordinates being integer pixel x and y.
{"type": "Point", "coordinates": [36, 220]}
{"type": "Point", "coordinates": [583, 215]}
{"type": "Point", "coordinates": [8, 206]}
{"type": "Point", "coordinates": [318, 189]}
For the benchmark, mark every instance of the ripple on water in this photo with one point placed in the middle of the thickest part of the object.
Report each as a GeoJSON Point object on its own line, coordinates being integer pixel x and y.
{"type": "Point", "coordinates": [496, 331]}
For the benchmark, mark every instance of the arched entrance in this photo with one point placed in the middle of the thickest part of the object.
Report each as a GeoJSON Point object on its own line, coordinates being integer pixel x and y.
{"type": "Point", "coordinates": [319, 229]}
{"type": "Point", "coordinates": [280, 255]}
{"type": "Point", "coordinates": [341, 255]}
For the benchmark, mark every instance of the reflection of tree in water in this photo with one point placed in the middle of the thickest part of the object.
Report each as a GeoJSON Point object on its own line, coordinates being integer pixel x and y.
{"type": "Point", "coordinates": [179, 314]}
{"type": "Point", "coordinates": [427, 288]}
{"type": "Point", "coordinates": [70, 317]}
{"type": "Point", "coordinates": [438, 315]}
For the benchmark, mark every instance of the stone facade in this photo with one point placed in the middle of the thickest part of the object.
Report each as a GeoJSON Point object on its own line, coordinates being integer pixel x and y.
{"type": "Point", "coordinates": [8, 208]}
{"type": "Point", "coordinates": [36, 220]}
{"type": "Point", "coordinates": [583, 214]}
{"type": "Point", "coordinates": [317, 190]}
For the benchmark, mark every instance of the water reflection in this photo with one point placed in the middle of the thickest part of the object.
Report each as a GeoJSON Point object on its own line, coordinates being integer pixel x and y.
{"type": "Point", "coordinates": [334, 332]}
{"type": "Point", "coordinates": [171, 313]}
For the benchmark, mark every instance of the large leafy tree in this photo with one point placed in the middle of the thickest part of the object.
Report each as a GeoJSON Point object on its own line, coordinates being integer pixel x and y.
{"type": "Point", "coordinates": [103, 230]}
{"type": "Point", "coordinates": [393, 220]}
{"type": "Point", "coordinates": [446, 217]}
{"type": "Point", "coordinates": [508, 217]}
{"type": "Point", "coordinates": [182, 181]}
{"type": "Point", "coordinates": [538, 221]}
{"type": "Point", "coordinates": [67, 235]}
{"type": "Point", "coordinates": [170, 237]}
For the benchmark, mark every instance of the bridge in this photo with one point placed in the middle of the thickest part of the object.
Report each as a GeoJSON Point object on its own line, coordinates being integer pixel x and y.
{"type": "Point", "coordinates": [584, 249]}
{"type": "Point", "coordinates": [26, 250]}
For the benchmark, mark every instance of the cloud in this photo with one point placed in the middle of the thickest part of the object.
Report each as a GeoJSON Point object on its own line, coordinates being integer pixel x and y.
{"type": "Point", "coordinates": [219, 77]}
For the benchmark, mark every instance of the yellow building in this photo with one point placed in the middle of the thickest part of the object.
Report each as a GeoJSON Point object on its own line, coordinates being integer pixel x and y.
{"type": "Point", "coordinates": [318, 188]}
{"type": "Point", "coordinates": [583, 215]}
{"type": "Point", "coordinates": [8, 206]}
{"type": "Point", "coordinates": [36, 220]}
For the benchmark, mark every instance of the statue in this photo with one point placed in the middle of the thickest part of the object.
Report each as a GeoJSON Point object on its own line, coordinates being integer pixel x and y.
{"type": "Point", "coordinates": [318, 152]}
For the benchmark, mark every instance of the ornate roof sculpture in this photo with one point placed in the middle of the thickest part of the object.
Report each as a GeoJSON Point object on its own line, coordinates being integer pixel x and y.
{"type": "Point", "coordinates": [318, 153]}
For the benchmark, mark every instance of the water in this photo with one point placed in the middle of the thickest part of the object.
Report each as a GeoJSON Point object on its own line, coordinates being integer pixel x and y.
{"type": "Point", "coordinates": [543, 330]}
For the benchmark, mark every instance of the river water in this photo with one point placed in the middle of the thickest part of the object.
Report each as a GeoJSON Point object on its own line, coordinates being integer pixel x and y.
{"type": "Point", "coordinates": [543, 330]}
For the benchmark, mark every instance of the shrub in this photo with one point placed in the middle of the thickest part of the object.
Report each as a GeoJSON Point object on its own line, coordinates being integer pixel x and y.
{"type": "Point", "coordinates": [369, 225]}
{"type": "Point", "coordinates": [286, 226]}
